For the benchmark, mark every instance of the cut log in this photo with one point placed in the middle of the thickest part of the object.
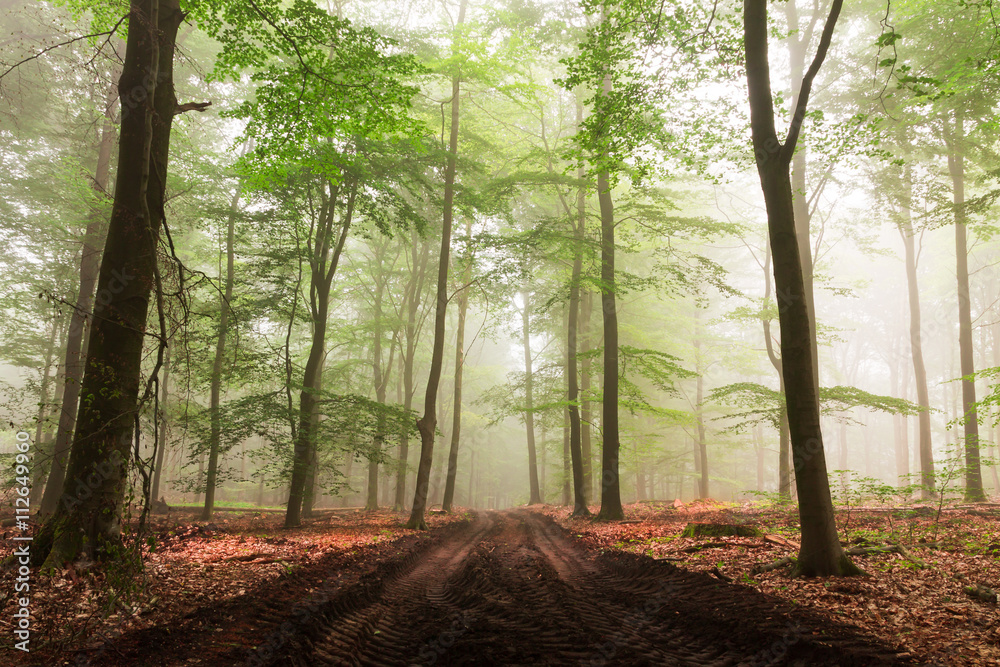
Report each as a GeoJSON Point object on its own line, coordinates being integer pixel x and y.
{"type": "Point", "coordinates": [780, 541]}
{"type": "Point", "coordinates": [781, 562]}
{"type": "Point", "coordinates": [981, 593]}
{"type": "Point", "coordinates": [720, 530]}
{"type": "Point", "coordinates": [887, 549]}
{"type": "Point", "coordinates": [248, 557]}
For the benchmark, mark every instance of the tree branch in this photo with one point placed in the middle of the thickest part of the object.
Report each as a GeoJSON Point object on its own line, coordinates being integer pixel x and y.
{"type": "Point", "coordinates": [802, 102]}
{"type": "Point", "coordinates": [66, 43]}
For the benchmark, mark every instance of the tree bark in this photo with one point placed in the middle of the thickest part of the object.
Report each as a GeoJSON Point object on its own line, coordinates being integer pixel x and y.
{"type": "Point", "coordinates": [820, 552]}
{"type": "Point", "coordinates": [44, 400]}
{"type": "Point", "coordinates": [579, 453]}
{"type": "Point", "coordinates": [90, 258]}
{"type": "Point", "coordinates": [916, 341]}
{"type": "Point", "coordinates": [456, 424]}
{"type": "Point", "coordinates": [322, 267]}
{"type": "Point", "coordinates": [566, 460]}
{"type": "Point", "coordinates": [586, 413]}
{"type": "Point", "coordinates": [956, 167]}
{"type": "Point", "coordinates": [529, 407]}
{"type": "Point", "coordinates": [758, 438]}
{"type": "Point", "coordinates": [897, 382]}
{"type": "Point", "coordinates": [702, 449]}
{"type": "Point", "coordinates": [798, 44]}
{"type": "Point", "coordinates": [611, 501]}
{"type": "Point", "coordinates": [426, 424]}
{"type": "Point", "coordinates": [411, 301]}
{"type": "Point", "coordinates": [380, 379]}
{"type": "Point", "coordinates": [371, 495]}
{"type": "Point", "coordinates": [995, 335]}
{"type": "Point", "coordinates": [87, 516]}
{"type": "Point", "coordinates": [162, 431]}
{"type": "Point", "coordinates": [215, 391]}
{"type": "Point", "coordinates": [312, 476]}
{"type": "Point", "coordinates": [784, 482]}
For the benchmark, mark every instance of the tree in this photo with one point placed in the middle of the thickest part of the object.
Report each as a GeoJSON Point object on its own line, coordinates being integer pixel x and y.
{"type": "Point", "coordinates": [904, 224]}
{"type": "Point", "coordinates": [412, 302]}
{"type": "Point", "coordinates": [90, 256]}
{"type": "Point", "coordinates": [456, 426]}
{"type": "Point", "coordinates": [380, 373]}
{"type": "Point", "coordinates": [225, 299]}
{"type": "Point", "coordinates": [427, 424]}
{"type": "Point", "coordinates": [626, 139]}
{"type": "Point", "coordinates": [529, 405]}
{"type": "Point", "coordinates": [86, 518]}
{"type": "Point", "coordinates": [820, 553]}
{"type": "Point", "coordinates": [953, 93]}
{"type": "Point", "coordinates": [328, 233]}
{"type": "Point", "coordinates": [954, 136]}
{"type": "Point", "coordinates": [579, 431]}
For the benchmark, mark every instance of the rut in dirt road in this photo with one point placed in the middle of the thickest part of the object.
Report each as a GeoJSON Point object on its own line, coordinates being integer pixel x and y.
{"type": "Point", "coordinates": [514, 589]}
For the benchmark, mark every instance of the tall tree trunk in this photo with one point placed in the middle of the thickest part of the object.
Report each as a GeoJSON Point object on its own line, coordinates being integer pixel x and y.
{"type": "Point", "coordinates": [215, 392]}
{"type": "Point", "coordinates": [567, 464]}
{"type": "Point", "coordinates": [529, 407]}
{"type": "Point", "coordinates": [820, 552]}
{"type": "Point", "coordinates": [472, 473]}
{"type": "Point", "coordinates": [611, 500]}
{"type": "Point", "coordinates": [995, 333]}
{"type": "Point", "coordinates": [758, 438]}
{"type": "Point", "coordinates": [381, 382]}
{"type": "Point", "coordinates": [44, 400]}
{"type": "Point", "coordinates": [702, 449]}
{"type": "Point", "coordinates": [428, 422]}
{"type": "Point", "coordinates": [309, 491]}
{"type": "Point", "coordinates": [784, 482]}
{"type": "Point", "coordinates": [798, 44]}
{"type": "Point", "coordinates": [956, 167]}
{"type": "Point", "coordinates": [162, 431]}
{"type": "Point", "coordinates": [579, 433]}
{"type": "Point", "coordinates": [784, 455]}
{"type": "Point", "coordinates": [543, 467]}
{"type": "Point", "coordinates": [916, 341]}
{"type": "Point", "coordinates": [898, 421]}
{"type": "Point", "coordinates": [586, 414]}
{"type": "Point", "coordinates": [579, 454]}
{"type": "Point", "coordinates": [411, 302]}
{"type": "Point", "coordinates": [323, 266]}
{"type": "Point", "coordinates": [87, 515]}
{"type": "Point", "coordinates": [456, 424]}
{"type": "Point", "coordinates": [90, 258]}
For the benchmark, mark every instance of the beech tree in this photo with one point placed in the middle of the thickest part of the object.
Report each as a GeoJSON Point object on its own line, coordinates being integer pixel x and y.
{"type": "Point", "coordinates": [111, 383]}
{"type": "Point", "coordinates": [427, 424]}
{"type": "Point", "coordinates": [820, 553]}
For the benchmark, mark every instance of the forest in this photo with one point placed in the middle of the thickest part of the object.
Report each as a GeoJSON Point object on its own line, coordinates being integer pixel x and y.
{"type": "Point", "coordinates": [523, 332]}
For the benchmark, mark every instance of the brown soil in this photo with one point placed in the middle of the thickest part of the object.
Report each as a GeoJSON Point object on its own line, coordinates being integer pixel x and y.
{"type": "Point", "coordinates": [511, 588]}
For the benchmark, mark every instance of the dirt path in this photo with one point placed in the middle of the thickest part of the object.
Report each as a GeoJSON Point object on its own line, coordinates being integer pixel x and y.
{"type": "Point", "coordinates": [507, 589]}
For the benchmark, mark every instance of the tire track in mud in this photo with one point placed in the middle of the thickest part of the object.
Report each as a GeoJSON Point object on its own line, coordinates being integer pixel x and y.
{"type": "Point", "coordinates": [514, 589]}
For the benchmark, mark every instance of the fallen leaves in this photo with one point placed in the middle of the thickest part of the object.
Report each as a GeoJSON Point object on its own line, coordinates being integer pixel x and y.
{"type": "Point", "coordinates": [193, 564]}
{"type": "Point", "coordinates": [916, 599]}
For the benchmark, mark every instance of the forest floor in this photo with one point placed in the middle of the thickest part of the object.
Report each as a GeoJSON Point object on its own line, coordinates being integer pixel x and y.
{"type": "Point", "coordinates": [529, 586]}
